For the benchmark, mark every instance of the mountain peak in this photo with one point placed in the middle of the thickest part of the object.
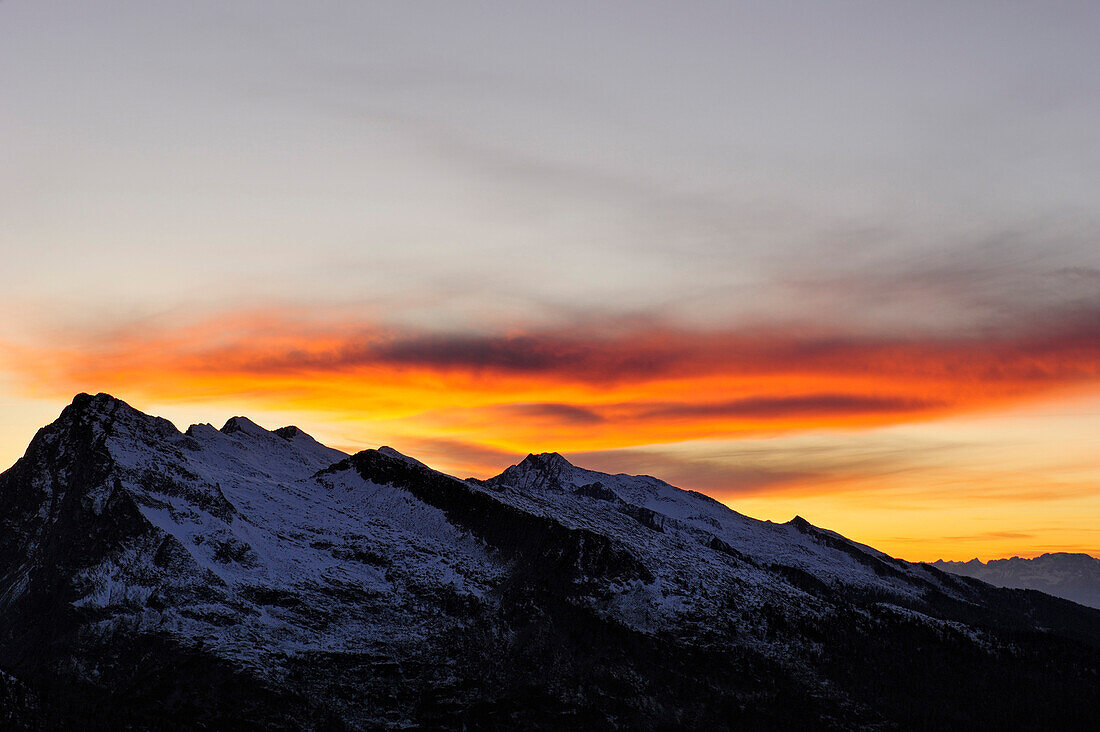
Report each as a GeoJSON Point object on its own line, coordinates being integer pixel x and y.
{"type": "Point", "coordinates": [547, 469]}
{"type": "Point", "coordinates": [1075, 577]}
{"type": "Point", "coordinates": [290, 433]}
{"type": "Point", "coordinates": [101, 403]}
{"type": "Point", "coordinates": [390, 452]}
{"type": "Point", "coordinates": [242, 424]}
{"type": "Point", "coordinates": [103, 409]}
{"type": "Point", "coordinates": [546, 461]}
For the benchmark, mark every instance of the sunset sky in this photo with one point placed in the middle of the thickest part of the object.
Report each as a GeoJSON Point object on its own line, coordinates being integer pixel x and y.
{"type": "Point", "coordinates": [840, 260]}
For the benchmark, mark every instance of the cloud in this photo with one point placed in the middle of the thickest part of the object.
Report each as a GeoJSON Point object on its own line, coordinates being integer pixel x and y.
{"type": "Point", "coordinates": [809, 404]}
{"type": "Point", "coordinates": [608, 383]}
{"type": "Point", "coordinates": [991, 534]}
{"type": "Point", "coordinates": [1053, 345]}
{"type": "Point", "coordinates": [561, 413]}
{"type": "Point", "coordinates": [591, 379]}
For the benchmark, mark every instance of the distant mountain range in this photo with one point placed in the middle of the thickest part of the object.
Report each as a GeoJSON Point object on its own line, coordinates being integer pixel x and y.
{"type": "Point", "coordinates": [243, 578]}
{"type": "Point", "coordinates": [1072, 576]}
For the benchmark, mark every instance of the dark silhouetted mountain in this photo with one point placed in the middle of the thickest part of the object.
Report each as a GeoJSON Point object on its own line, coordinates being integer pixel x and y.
{"type": "Point", "coordinates": [1072, 576]}
{"type": "Point", "coordinates": [243, 579]}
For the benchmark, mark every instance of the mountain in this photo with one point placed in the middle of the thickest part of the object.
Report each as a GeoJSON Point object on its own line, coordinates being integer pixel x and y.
{"type": "Point", "coordinates": [243, 578]}
{"type": "Point", "coordinates": [1072, 576]}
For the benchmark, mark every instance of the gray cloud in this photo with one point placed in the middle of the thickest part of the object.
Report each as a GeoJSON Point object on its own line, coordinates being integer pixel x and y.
{"type": "Point", "coordinates": [789, 406]}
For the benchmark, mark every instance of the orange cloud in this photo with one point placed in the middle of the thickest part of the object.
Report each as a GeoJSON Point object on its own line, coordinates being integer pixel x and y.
{"type": "Point", "coordinates": [613, 396]}
{"type": "Point", "coordinates": [591, 387]}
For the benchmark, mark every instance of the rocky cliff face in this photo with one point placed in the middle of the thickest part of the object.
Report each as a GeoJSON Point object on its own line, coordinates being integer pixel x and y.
{"type": "Point", "coordinates": [244, 578]}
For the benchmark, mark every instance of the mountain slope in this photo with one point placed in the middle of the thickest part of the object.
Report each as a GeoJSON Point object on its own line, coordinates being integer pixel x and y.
{"type": "Point", "coordinates": [246, 578]}
{"type": "Point", "coordinates": [1072, 576]}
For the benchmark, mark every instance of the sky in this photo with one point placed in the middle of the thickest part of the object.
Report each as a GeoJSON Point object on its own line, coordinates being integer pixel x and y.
{"type": "Point", "coordinates": [839, 260]}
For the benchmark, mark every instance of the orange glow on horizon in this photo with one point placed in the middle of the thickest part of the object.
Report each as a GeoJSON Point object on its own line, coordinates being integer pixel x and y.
{"type": "Point", "coordinates": [562, 391]}
{"type": "Point", "coordinates": [471, 404]}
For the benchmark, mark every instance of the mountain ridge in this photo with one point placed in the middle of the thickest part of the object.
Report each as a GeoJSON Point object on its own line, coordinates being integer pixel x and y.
{"type": "Point", "coordinates": [304, 587]}
{"type": "Point", "coordinates": [1071, 575]}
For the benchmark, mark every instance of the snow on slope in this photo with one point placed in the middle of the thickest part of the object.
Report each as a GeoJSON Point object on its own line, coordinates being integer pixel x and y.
{"type": "Point", "coordinates": [397, 595]}
{"type": "Point", "coordinates": [276, 558]}
{"type": "Point", "coordinates": [263, 543]}
{"type": "Point", "coordinates": [549, 484]}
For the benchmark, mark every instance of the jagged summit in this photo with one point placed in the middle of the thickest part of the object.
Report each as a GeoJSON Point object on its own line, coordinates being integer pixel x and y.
{"type": "Point", "coordinates": [85, 400]}
{"type": "Point", "coordinates": [106, 413]}
{"type": "Point", "coordinates": [99, 405]}
{"type": "Point", "coordinates": [544, 470]}
{"type": "Point", "coordinates": [546, 461]}
{"type": "Point", "coordinates": [242, 424]}
{"type": "Point", "coordinates": [545, 464]}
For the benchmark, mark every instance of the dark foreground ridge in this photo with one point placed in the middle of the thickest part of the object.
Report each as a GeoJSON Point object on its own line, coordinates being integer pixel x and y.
{"type": "Point", "coordinates": [243, 578]}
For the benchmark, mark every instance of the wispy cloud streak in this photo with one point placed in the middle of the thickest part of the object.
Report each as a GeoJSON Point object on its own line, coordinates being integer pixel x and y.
{"type": "Point", "coordinates": [584, 387]}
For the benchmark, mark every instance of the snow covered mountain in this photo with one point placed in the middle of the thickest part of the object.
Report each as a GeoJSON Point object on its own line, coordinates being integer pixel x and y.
{"type": "Point", "coordinates": [244, 578]}
{"type": "Point", "coordinates": [1072, 576]}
